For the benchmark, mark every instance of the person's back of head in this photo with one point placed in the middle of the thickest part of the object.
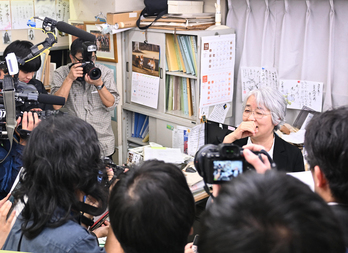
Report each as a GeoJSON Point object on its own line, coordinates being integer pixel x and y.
{"type": "Point", "coordinates": [271, 212]}
{"type": "Point", "coordinates": [22, 49]}
{"type": "Point", "coordinates": [152, 209]}
{"type": "Point", "coordinates": [61, 158]}
{"type": "Point", "coordinates": [326, 146]}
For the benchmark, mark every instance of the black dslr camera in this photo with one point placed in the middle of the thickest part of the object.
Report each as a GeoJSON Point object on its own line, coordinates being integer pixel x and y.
{"type": "Point", "coordinates": [87, 63]}
{"type": "Point", "coordinates": [220, 163]}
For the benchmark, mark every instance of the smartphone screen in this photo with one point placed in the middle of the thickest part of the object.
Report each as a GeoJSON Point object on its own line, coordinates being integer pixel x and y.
{"type": "Point", "coordinates": [225, 170]}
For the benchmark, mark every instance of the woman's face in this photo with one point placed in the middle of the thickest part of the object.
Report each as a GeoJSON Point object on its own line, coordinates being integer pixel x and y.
{"type": "Point", "coordinates": [261, 116]}
{"type": "Point", "coordinates": [25, 77]}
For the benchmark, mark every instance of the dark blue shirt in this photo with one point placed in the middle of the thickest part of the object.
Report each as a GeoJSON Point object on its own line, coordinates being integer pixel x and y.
{"type": "Point", "coordinates": [69, 237]}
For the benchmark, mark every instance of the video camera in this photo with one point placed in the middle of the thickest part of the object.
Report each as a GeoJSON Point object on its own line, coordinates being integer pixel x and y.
{"type": "Point", "coordinates": [223, 162]}
{"type": "Point", "coordinates": [87, 63]}
{"type": "Point", "coordinates": [24, 94]}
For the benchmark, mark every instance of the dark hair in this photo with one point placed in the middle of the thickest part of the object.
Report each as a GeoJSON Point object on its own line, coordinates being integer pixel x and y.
{"type": "Point", "coordinates": [77, 47]}
{"type": "Point", "coordinates": [271, 212]}
{"type": "Point", "coordinates": [61, 157]}
{"type": "Point", "coordinates": [22, 48]}
{"type": "Point", "coordinates": [326, 146]}
{"type": "Point", "coordinates": [152, 209]}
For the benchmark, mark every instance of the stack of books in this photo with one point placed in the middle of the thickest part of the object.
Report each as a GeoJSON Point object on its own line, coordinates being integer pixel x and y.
{"type": "Point", "coordinates": [181, 53]}
{"type": "Point", "coordinates": [197, 21]}
{"type": "Point", "coordinates": [180, 95]}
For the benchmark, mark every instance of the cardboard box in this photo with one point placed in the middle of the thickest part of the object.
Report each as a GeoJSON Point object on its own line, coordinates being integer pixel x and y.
{"type": "Point", "coordinates": [184, 7]}
{"type": "Point", "coordinates": [113, 18]}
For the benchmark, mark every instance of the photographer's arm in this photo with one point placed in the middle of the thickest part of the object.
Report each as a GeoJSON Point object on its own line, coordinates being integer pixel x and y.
{"type": "Point", "coordinates": [75, 71]}
{"type": "Point", "coordinates": [105, 95]}
{"type": "Point", "coordinates": [254, 160]}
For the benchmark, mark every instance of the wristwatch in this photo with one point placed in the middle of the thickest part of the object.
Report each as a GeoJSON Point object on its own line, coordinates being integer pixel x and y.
{"type": "Point", "coordinates": [100, 87]}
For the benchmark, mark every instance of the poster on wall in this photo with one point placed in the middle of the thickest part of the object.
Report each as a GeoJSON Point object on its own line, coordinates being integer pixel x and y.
{"type": "Point", "coordinates": [299, 93]}
{"type": "Point", "coordinates": [217, 69]}
{"type": "Point", "coordinates": [5, 16]}
{"type": "Point", "coordinates": [21, 12]}
{"type": "Point", "coordinates": [257, 77]}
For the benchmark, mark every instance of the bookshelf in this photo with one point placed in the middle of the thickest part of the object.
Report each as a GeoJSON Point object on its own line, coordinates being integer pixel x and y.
{"type": "Point", "coordinates": [163, 118]}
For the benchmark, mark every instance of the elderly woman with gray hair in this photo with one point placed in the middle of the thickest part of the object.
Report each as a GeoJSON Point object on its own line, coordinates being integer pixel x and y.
{"type": "Point", "coordinates": [264, 112]}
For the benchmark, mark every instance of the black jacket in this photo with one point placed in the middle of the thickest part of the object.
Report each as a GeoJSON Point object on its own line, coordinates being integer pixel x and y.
{"type": "Point", "coordinates": [341, 213]}
{"type": "Point", "coordinates": [287, 157]}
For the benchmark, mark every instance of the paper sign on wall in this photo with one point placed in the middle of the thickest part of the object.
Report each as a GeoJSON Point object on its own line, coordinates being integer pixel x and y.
{"type": "Point", "coordinates": [299, 93]}
{"type": "Point", "coordinates": [257, 77]}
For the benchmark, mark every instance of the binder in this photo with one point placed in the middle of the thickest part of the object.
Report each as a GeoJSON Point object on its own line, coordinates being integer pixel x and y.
{"type": "Point", "coordinates": [193, 46]}
{"type": "Point", "coordinates": [184, 56]}
{"type": "Point", "coordinates": [135, 123]}
{"type": "Point", "coordinates": [177, 47]}
{"type": "Point", "coordinates": [146, 132]}
{"type": "Point", "coordinates": [141, 121]}
{"type": "Point", "coordinates": [189, 96]}
{"type": "Point", "coordinates": [176, 94]}
{"type": "Point", "coordinates": [144, 126]}
{"type": "Point", "coordinates": [187, 54]}
{"type": "Point", "coordinates": [185, 98]}
{"type": "Point", "coordinates": [171, 57]}
{"type": "Point", "coordinates": [167, 91]}
{"type": "Point", "coordinates": [171, 94]}
{"type": "Point", "coordinates": [193, 97]}
{"type": "Point", "coordinates": [182, 95]}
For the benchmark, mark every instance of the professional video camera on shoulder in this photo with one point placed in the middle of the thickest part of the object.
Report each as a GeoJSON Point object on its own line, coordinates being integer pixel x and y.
{"type": "Point", "coordinates": [223, 162]}
{"type": "Point", "coordinates": [87, 62]}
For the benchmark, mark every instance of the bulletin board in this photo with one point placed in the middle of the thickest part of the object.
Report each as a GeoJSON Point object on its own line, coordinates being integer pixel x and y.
{"type": "Point", "coordinates": [14, 15]}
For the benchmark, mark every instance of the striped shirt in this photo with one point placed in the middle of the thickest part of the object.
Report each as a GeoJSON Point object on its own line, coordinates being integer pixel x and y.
{"type": "Point", "coordinates": [84, 102]}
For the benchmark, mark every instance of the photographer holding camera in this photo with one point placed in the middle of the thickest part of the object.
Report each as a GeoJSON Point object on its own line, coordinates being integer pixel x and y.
{"type": "Point", "coordinates": [21, 48]}
{"type": "Point", "coordinates": [13, 163]}
{"type": "Point", "coordinates": [88, 96]}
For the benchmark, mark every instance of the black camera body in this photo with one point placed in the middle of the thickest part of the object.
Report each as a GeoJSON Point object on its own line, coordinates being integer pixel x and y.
{"type": "Point", "coordinates": [221, 163]}
{"type": "Point", "coordinates": [90, 69]}
{"type": "Point", "coordinates": [87, 64]}
{"type": "Point", "coordinates": [22, 133]}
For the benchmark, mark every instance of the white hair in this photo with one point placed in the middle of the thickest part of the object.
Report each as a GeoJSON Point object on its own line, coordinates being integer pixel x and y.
{"type": "Point", "coordinates": [273, 100]}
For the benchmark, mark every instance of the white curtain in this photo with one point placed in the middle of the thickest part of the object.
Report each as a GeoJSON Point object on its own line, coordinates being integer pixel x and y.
{"type": "Point", "coordinates": [303, 40]}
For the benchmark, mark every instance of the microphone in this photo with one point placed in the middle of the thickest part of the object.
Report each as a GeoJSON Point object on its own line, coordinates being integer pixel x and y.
{"type": "Point", "coordinates": [69, 29]}
{"type": "Point", "coordinates": [41, 98]}
{"type": "Point", "coordinates": [51, 99]}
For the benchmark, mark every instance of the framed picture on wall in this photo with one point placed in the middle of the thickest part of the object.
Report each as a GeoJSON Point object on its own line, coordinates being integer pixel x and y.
{"type": "Point", "coordinates": [78, 24]}
{"type": "Point", "coordinates": [106, 43]}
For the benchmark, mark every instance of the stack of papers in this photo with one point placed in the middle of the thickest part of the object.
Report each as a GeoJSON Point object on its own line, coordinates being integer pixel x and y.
{"type": "Point", "coordinates": [198, 21]}
{"type": "Point", "coordinates": [169, 155]}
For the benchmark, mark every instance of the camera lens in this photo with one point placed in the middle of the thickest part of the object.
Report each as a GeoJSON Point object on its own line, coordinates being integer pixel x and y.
{"type": "Point", "coordinates": [92, 71]}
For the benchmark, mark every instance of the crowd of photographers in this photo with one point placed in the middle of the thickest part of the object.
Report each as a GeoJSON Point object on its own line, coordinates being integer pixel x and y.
{"type": "Point", "coordinates": [151, 206]}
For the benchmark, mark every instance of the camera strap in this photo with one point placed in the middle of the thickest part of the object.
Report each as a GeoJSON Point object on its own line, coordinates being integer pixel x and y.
{"type": "Point", "coordinates": [10, 107]}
